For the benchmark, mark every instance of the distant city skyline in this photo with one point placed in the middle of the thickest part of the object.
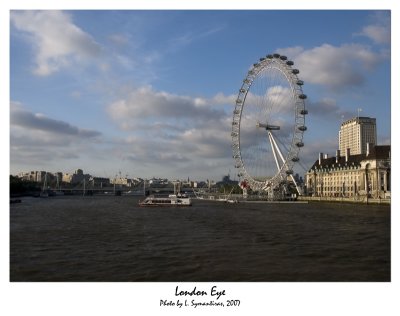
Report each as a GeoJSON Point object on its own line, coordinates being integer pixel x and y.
{"type": "Point", "coordinates": [38, 176]}
{"type": "Point", "coordinates": [151, 93]}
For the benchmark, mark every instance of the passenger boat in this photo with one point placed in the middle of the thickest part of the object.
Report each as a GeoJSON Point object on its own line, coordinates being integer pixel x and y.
{"type": "Point", "coordinates": [171, 200]}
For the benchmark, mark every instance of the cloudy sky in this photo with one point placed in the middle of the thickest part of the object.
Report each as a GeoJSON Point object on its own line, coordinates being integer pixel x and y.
{"type": "Point", "coordinates": [151, 93]}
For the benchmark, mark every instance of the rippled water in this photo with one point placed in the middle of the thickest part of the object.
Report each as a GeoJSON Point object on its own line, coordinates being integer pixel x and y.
{"type": "Point", "coordinates": [104, 238]}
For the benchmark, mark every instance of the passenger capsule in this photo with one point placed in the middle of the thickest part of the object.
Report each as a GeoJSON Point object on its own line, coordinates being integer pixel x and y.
{"type": "Point", "coordinates": [295, 159]}
{"type": "Point", "coordinates": [289, 172]}
{"type": "Point", "coordinates": [304, 112]}
{"type": "Point", "coordinates": [256, 65]}
{"type": "Point", "coordinates": [300, 82]}
{"type": "Point", "coordinates": [262, 58]}
{"type": "Point", "coordinates": [300, 144]}
{"type": "Point", "coordinates": [238, 101]}
{"type": "Point", "coordinates": [283, 57]}
{"type": "Point", "coordinates": [276, 55]}
{"type": "Point", "coordinates": [295, 71]}
{"type": "Point", "coordinates": [303, 128]}
{"type": "Point", "coordinates": [302, 96]}
{"type": "Point", "coordinates": [289, 63]}
{"type": "Point", "coordinates": [242, 90]}
{"type": "Point", "coordinates": [270, 56]}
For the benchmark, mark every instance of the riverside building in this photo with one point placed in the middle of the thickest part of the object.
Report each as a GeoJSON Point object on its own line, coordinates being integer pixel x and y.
{"type": "Point", "coordinates": [356, 133]}
{"type": "Point", "coordinates": [362, 169]}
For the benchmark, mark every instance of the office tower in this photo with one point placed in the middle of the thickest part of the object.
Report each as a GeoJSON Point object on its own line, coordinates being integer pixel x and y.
{"type": "Point", "coordinates": [356, 133]}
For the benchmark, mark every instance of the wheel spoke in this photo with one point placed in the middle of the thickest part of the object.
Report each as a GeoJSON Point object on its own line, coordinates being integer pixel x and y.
{"type": "Point", "coordinates": [270, 102]}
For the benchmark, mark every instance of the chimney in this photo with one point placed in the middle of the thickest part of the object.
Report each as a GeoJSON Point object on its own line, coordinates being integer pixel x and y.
{"type": "Point", "coordinates": [320, 158]}
{"type": "Point", "coordinates": [337, 155]}
{"type": "Point", "coordinates": [347, 154]}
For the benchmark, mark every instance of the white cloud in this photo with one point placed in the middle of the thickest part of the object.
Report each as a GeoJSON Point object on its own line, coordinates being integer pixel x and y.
{"type": "Point", "coordinates": [222, 99]}
{"type": "Point", "coordinates": [378, 33]}
{"type": "Point", "coordinates": [41, 142]}
{"type": "Point", "coordinates": [174, 131]}
{"type": "Point", "coordinates": [335, 67]}
{"type": "Point", "coordinates": [147, 106]}
{"type": "Point", "coordinates": [57, 41]}
{"type": "Point", "coordinates": [39, 122]}
{"type": "Point", "coordinates": [328, 108]}
{"type": "Point", "coordinates": [379, 29]}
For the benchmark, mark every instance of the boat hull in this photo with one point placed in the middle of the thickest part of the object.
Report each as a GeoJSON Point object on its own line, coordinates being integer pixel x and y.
{"type": "Point", "coordinates": [166, 202]}
{"type": "Point", "coordinates": [162, 205]}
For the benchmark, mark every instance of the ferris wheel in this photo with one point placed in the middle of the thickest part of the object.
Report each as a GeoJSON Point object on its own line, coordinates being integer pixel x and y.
{"type": "Point", "coordinates": [268, 124]}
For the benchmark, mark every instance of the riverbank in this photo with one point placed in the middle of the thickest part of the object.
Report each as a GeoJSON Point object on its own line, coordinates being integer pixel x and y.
{"type": "Point", "coordinates": [360, 200]}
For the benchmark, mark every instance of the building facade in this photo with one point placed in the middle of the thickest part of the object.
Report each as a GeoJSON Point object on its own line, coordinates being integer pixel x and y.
{"type": "Point", "coordinates": [359, 175]}
{"type": "Point", "coordinates": [36, 176]}
{"type": "Point", "coordinates": [75, 178]}
{"type": "Point", "coordinates": [356, 133]}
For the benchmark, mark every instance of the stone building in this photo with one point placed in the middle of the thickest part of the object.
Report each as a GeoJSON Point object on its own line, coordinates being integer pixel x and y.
{"type": "Point", "coordinates": [35, 176]}
{"type": "Point", "coordinates": [352, 175]}
{"type": "Point", "coordinates": [76, 177]}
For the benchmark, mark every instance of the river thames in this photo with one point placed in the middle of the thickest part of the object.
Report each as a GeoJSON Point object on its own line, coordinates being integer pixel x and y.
{"type": "Point", "coordinates": [111, 238]}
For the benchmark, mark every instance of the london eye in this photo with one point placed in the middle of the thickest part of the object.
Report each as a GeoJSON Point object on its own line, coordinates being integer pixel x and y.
{"type": "Point", "coordinates": [268, 125]}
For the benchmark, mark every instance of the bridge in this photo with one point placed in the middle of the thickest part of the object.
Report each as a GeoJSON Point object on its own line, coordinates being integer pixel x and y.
{"type": "Point", "coordinates": [138, 190]}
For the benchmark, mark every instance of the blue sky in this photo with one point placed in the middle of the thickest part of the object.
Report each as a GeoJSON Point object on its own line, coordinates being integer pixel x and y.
{"type": "Point", "coordinates": [151, 93]}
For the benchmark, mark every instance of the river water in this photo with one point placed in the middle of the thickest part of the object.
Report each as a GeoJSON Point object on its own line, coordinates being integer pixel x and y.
{"type": "Point", "coordinates": [110, 238]}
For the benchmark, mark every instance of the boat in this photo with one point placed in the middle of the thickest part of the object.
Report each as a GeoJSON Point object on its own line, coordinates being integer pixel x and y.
{"type": "Point", "coordinates": [170, 200]}
{"type": "Point", "coordinates": [214, 196]}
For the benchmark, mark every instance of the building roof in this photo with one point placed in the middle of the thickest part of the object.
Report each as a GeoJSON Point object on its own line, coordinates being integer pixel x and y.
{"type": "Point", "coordinates": [360, 119]}
{"type": "Point", "coordinates": [376, 152]}
{"type": "Point", "coordinates": [379, 152]}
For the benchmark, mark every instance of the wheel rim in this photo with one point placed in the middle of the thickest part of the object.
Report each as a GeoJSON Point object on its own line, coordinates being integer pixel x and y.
{"type": "Point", "coordinates": [268, 123]}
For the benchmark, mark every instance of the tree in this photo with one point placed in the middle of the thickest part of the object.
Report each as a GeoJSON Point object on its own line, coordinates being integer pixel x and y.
{"type": "Point", "coordinates": [19, 186]}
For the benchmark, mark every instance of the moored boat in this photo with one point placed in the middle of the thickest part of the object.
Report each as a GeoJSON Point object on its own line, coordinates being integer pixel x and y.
{"type": "Point", "coordinates": [171, 200]}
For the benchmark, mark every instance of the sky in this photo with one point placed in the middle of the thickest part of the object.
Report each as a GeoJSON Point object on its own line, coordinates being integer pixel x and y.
{"type": "Point", "coordinates": [151, 93]}
{"type": "Point", "coordinates": [110, 91]}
